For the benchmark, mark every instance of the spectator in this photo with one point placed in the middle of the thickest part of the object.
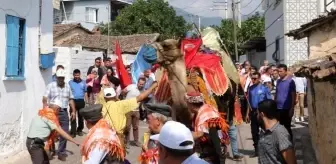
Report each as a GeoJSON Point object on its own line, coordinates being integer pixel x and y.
{"type": "Point", "coordinates": [93, 84]}
{"type": "Point", "coordinates": [107, 65]}
{"type": "Point", "coordinates": [79, 90]}
{"type": "Point", "coordinates": [133, 117]}
{"type": "Point", "coordinates": [263, 68]}
{"type": "Point", "coordinates": [256, 94]}
{"type": "Point", "coordinates": [285, 97]}
{"type": "Point", "coordinates": [275, 145]}
{"type": "Point", "coordinates": [176, 145]}
{"type": "Point", "coordinates": [61, 90]}
{"type": "Point", "coordinates": [267, 74]}
{"type": "Point", "coordinates": [105, 80]}
{"type": "Point", "coordinates": [275, 78]}
{"type": "Point", "coordinates": [246, 67]}
{"type": "Point", "coordinates": [98, 66]}
{"type": "Point", "coordinates": [301, 88]}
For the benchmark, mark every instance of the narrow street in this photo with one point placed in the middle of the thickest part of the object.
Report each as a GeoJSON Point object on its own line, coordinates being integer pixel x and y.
{"type": "Point", "coordinates": [302, 141]}
{"type": "Point", "coordinates": [244, 138]}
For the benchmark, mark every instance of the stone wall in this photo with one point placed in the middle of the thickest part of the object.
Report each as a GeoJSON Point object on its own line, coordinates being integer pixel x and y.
{"type": "Point", "coordinates": [322, 41]}
{"type": "Point", "coordinates": [322, 117]}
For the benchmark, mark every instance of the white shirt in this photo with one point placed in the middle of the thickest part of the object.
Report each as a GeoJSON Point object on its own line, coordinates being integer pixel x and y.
{"type": "Point", "coordinates": [53, 91]}
{"type": "Point", "coordinates": [248, 83]}
{"type": "Point", "coordinates": [132, 91]}
{"type": "Point", "coordinates": [95, 156]}
{"type": "Point", "coordinates": [300, 84]}
{"type": "Point", "coordinates": [265, 77]}
{"type": "Point", "coordinates": [194, 159]}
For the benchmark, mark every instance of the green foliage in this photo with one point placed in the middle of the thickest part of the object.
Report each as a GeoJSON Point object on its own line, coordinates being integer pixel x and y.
{"type": "Point", "coordinates": [151, 16]}
{"type": "Point", "coordinates": [250, 28]}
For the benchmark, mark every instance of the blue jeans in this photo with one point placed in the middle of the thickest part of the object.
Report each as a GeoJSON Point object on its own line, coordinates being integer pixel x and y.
{"type": "Point", "coordinates": [233, 134]}
{"type": "Point", "coordinates": [63, 118]}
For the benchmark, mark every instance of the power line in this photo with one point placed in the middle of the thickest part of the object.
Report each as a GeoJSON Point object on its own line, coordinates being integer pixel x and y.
{"type": "Point", "coordinates": [254, 9]}
{"type": "Point", "coordinates": [247, 4]}
{"type": "Point", "coordinates": [190, 4]}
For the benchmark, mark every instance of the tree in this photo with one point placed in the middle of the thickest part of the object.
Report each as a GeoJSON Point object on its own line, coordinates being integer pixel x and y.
{"type": "Point", "coordinates": [151, 16]}
{"type": "Point", "coordinates": [250, 28]}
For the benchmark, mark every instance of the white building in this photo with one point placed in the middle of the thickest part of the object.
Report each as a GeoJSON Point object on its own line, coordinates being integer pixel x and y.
{"type": "Point", "coordinates": [281, 16]}
{"type": "Point", "coordinates": [26, 38]}
{"type": "Point", "coordinates": [89, 13]}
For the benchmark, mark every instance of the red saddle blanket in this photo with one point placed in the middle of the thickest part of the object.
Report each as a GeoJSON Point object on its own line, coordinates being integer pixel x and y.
{"type": "Point", "coordinates": [209, 64]}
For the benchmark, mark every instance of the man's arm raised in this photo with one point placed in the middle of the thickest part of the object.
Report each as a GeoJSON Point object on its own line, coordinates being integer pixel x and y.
{"type": "Point", "coordinates": [147, 92]}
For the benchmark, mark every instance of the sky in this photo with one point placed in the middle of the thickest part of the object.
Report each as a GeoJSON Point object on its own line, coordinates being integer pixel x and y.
{"type": "Point", "coordinates": [203, 7]}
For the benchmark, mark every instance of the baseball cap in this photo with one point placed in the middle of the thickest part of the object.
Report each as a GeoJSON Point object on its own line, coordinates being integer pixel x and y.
{"type": "Point", "coordinates": [60, 73]}
{"type": "Point", "coordinates": [109, 93]}
{"type": "Point", "coordinates": [173, 134]}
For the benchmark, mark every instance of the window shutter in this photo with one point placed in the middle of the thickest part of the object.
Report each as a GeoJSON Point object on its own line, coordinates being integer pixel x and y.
{"type": "Point", "coordinates": [12, 58]}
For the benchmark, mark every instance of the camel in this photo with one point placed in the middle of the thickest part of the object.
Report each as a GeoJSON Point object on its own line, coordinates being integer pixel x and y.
{"type": "Point", "coordinates": [170, 57]}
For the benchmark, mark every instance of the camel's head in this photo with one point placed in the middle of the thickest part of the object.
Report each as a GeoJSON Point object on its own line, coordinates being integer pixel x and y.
{"type": "Point", "coordinates": [167, 51]}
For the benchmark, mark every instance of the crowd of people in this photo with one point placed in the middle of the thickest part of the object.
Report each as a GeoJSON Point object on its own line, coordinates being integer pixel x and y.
{"type": "Point", "coordinates": [275, 93]}
{"type": "Point", "coordinates": [268, 97]}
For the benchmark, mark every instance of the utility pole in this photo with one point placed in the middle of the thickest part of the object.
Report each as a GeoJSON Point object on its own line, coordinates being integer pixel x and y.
{"type": "Point", "coordinates": [235, 29]}
{"type": "Point", "coordinates": [234, 8]}
{"type": "Point", "coordinates": [199, 23]}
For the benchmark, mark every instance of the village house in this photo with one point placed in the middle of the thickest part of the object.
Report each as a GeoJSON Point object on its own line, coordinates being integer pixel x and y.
{"type": "Point", "coordinates": [320, 71]}
{"type": "Point", "coordinates": [281, 16]}
{"type": "Point", "coordinates": [27, 55]}
{"type": "Point", "coordinates": [89, 13]}
{"type": "Point", "coordinates": [255, 51]}
{"type": "Point", "coordinates": [76, 47]}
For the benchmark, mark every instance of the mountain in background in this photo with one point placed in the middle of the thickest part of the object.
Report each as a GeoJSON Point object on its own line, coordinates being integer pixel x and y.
{"type": "Point", "coordinates": [205, 21]}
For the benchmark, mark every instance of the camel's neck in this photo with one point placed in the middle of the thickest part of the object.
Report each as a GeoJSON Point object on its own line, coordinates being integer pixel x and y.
{"type": "Point", "coordinates": [178, 84]}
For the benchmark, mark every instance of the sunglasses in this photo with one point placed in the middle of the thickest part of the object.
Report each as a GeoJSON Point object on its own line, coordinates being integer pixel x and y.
{"type": "Point", "coordinates": [254, 78]}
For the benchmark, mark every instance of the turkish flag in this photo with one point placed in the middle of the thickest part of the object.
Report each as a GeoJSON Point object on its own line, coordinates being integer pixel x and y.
{"type": "Point", "coordinates": [124, 77]}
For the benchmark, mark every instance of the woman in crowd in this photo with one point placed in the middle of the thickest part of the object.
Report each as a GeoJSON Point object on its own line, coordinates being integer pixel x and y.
{"type": "Point", "coordinates": [93, 84]}
{"type": "Point", "coordinates": [105, 80]}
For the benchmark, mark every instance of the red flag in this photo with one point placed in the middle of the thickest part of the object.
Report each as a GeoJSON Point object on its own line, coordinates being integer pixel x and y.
{"type": "Point", "coordinates": [124, 77]}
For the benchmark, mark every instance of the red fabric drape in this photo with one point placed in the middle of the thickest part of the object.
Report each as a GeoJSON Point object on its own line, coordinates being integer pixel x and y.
{"type": "Point", "coordinates": [124, 77]}
{"type": "Point", "coordinates": [209, 64]}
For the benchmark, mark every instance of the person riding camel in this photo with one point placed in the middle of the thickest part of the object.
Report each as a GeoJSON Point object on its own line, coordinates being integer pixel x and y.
{"type": "Point", "coordinates": [157, 116]}
{"type": "Point", "coordinates": [101, 144]}
{"type": "Point", "coordinates": [209, 129]}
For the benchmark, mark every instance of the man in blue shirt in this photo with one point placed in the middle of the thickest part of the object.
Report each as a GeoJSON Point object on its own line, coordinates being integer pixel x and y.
{"type": "Point", "coordinates": [78, 89]}
{"type": "Point", "coordinates": [256, 94]}
{"type": "Point", "coordinates": [285, 97]}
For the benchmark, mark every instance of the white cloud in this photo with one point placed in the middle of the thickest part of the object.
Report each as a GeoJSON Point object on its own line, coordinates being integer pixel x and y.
{"type": "Point", "coordinates": [203, 7]}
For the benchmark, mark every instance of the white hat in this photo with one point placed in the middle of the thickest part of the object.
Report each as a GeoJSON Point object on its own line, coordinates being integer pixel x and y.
{"type": "Point", "coordinates": [56, 101]}
{"type": "Point", "coordinates": [60, 73]}
{"type": "Point", "coordinates": [173, 134]}
{"type": "Point", "coordinates": [109, 92]}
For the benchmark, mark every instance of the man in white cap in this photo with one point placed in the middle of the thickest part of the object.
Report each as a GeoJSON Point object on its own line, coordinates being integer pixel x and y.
{"type": "Point", "coordinates": [60, 89]}
{"type": "Point", "coordinates": [44, 128]}
{"type": "Point", "coordinates": [176, 144]}
{"type": "Point", "coordinates": [115, 111]}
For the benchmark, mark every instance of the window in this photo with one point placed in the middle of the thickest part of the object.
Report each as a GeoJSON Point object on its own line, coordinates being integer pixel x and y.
{"type": "Point", "coordinates": [15, 46]}
{"type": "Point", "coordinates": [91, 15]}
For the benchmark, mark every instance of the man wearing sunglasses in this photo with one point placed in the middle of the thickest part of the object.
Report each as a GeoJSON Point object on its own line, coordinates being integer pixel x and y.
{"type": "Point", "coordinates": [256, 94]}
